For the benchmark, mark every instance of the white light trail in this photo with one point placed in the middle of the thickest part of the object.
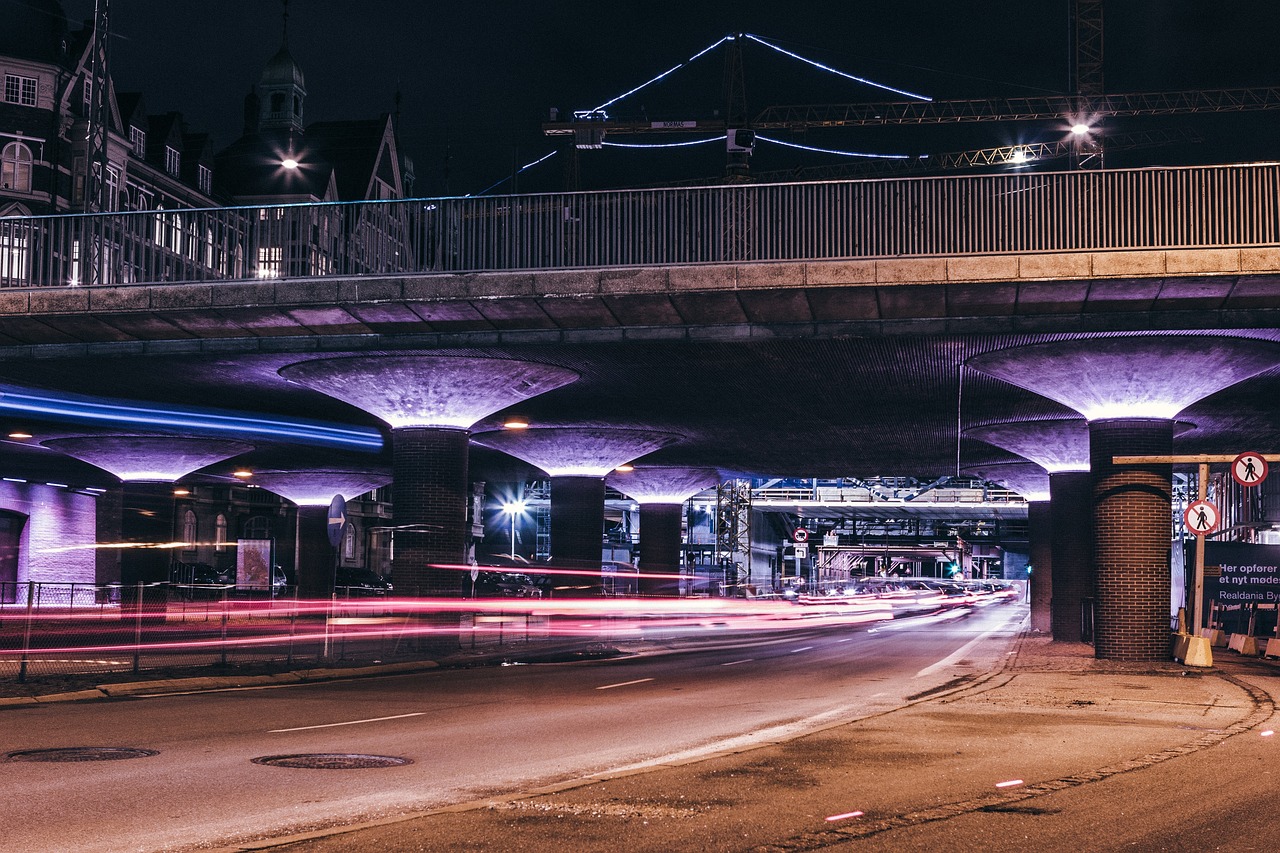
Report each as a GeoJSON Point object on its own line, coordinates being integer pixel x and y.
{"type": "Point", "coordinates": [836, 71]}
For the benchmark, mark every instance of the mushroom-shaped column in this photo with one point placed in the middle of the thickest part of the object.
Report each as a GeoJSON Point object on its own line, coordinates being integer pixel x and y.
{"type": "Point", "coordinates": [1032, 482]}
{"type": "Point", "coordinates": [1129, 389]}
{"type": "Point", "coordinates": [143, 462]}
{"type": "Point", "coordinates": [430, 403]}
{"type": "Point", "coordinates": [577, 460]}
{"type": "Point", "coordinates": [313, 493]}
{"type": "Point", "coordinates": [661, 493]}
{"type": "Point", "coordinates": [1060, 447]}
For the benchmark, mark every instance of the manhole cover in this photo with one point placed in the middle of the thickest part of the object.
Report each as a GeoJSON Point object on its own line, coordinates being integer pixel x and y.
{"type": "Point", "coordinates": [332, 761]}
{"type": "Point", "coordinates": [81, 753]}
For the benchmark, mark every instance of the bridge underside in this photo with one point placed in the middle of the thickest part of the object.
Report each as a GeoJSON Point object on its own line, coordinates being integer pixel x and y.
{"type": "Point", "coordinates": [820, 369]}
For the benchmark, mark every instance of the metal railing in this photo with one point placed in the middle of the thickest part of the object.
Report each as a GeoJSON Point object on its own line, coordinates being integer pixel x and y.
{"type": "Point", "coordinates": [1158, 208]}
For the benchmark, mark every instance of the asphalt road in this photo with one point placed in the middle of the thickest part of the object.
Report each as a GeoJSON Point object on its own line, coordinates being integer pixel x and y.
{"type": "Point", "coordinates": [468, 733]}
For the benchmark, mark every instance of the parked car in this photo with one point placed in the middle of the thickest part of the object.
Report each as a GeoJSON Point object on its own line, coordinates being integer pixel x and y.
{"type": "Point", "coordinates": [359, 582]}
{"type": "Point", "coordinates": [510, 584]}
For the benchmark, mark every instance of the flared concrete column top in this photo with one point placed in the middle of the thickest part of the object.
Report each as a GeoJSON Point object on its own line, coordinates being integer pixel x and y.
{"type": "Point", "coordinates": [148, 458]}
{"type": "Point", "coordinates": [663, 485]}
{"type": "Point", "coordinates": [1026, 478]}
{"type": "Point", "coordinates": [317, 488]}
{"type": "Point", "coordinates": [1130, 377]}
{"type": "Point", "coordinates": [576, 451]}
{"type": "Point", "coordinates": [1054, 445]}
{"type": "Point", "coordinates": [450, 392]}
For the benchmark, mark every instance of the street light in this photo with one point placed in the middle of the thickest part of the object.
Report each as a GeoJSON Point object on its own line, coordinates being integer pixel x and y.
{"type": "Point", "coordinates": [513, 509]}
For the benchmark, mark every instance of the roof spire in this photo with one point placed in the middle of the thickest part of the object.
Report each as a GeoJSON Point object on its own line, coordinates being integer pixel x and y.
{"type": "Point", "coordinates": [284, 30]}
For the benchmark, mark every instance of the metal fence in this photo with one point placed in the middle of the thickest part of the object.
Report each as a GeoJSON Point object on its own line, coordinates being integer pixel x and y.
{"type": "Point", "coordinates": [1213, 206]}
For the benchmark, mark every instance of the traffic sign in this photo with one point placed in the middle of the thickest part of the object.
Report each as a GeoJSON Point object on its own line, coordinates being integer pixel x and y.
{"type": "Point", "coordinates": [801, 534]}
{"type": "Point", "coordinates": [802, 551]}
{"type": "Point", "coordinates": [1201, 518]}
{"type": "Point", "coordinates": [337, 519]}
{"type": "Point", "coordinates": [1249, 469]}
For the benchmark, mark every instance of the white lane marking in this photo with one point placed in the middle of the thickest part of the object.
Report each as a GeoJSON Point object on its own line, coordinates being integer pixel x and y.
{"type": "Point", "coordinates": [624, 684]}
{"type": "Point", "coordinates": [801, 649]}
{"type": "Point", "coordinates": [845, 640]}
{"type": "Point", "coordinates": [736, 662]}
{"type": "Point", "coordinates": [348, 723]}
{"type": "Point", "coordinates": [957, 654]}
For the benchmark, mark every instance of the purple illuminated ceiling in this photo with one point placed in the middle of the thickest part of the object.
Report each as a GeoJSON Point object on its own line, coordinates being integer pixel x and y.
{"type": "Point", "coordinates": [1054, 445]}
{"type": "Point", "coordinates": [663, 485]}
{"type": "Point", "coordinates": [148, 458]}
{"type": "Point", "coordinates": [1026, 478]}
{"type": "Point", "coordinates": [576, 451]}
{"type": "Point", "coordinates": [448, 392]}
{"type": "Point", "coordinates": [317, 488]}
{"type": "Point", "coordinates": [1130, 377]}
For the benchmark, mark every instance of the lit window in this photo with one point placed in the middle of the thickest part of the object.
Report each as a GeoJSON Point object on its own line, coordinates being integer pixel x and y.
{"type": "Point", "coordinates": [172, 161]}
{"type": "Point", "coordinates": [220, 533]}
{"type": "Point", "coordinates": [189, 530]}
{"type": "Point", "coordinates": [349, 543]}
{"type": "Point", "coordinates": [204, 179]}
{"type": "Point", "coordinates": [13, 257]}
{"type": "Point", "coordinates": [15, 168]}
{"type": "Point", "coordinates": [138, 139]}
{"type": "Point", "coordinates": [269, 261]}
{"type": "Point", "coordinates": [20, 90]}
{"type": "Point", "coordinates": [88, 94]}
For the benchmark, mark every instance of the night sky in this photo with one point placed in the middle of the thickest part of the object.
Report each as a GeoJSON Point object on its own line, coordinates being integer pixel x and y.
{"type": "Point", "coordinates": [478, 78]}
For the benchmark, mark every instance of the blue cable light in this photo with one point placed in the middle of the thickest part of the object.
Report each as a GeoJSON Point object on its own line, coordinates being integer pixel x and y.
{"type": "Point", "coordinates": [601, 108]}
{"type": "Point", "coordinates": [521, 170]}
{"type": "Point", "coordinates": [193, 419]}
{"type": "Point", "coordinates": [833, 150]}
{"type": "Point", "coordinates": [836, 70]}
{"type": "Point", "coordinates": [663, 144]}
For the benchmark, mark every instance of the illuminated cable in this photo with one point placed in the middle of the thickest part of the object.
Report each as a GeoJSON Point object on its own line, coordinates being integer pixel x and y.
{"type": "Point", "coordinates": [673, 68]}
{"type": "Point", "coordinates": [833, 150]}
{"type": "Point", "coordinates": [529, 165]}
{"type": "Point", "coordinates": [663, 144]}
{"type": "Point", "coordinates": [836, 70]}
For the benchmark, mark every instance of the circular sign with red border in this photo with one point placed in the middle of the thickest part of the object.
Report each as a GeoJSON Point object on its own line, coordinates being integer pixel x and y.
{"type": "Point", "coordinates": [1249, 469]}
{"type": "Point", "coordinates": [1201, 518]}
{"type": "Point", "coordinates": [801, 534]}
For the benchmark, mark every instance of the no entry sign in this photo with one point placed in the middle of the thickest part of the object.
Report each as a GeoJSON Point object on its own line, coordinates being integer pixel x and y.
{"type": "Point", "coordinates": [1201, 518]}
{"type": "Point", "coordinates": [1249, 469]}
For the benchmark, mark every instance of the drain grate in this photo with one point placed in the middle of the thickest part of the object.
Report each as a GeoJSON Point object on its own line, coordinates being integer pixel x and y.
{"type": "Point", "coordinates": [81, 753]}
{"type": "Point", "coordinates": [332, 761]}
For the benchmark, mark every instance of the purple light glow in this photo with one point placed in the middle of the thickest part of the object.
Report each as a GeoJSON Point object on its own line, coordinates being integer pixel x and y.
{"type": "Point", "coordinates": [447, 392]}
{"type": "Point", "coordinates": [317, 488]}
{"type": "Point", "coordinates": [148, 458]}
{"type": "Point", "coordinates": [577, 451]}
{"type": "Point", "coordinates": [659, 485]}
{"type": "Point", "coordinates": [1026, 478]}
{"type": "Point", "coordinates": [1055, 446]}
{"type": "Point", "coordinates": [1130, 377]}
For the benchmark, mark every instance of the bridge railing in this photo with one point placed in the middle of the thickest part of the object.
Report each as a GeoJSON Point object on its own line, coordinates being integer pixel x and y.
{"type": "Point", "coordinates": [1191, 207]}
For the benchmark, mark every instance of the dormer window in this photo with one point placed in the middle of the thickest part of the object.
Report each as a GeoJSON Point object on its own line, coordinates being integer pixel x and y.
{"type": "Point", "coordinates": [88, 95]}
{"type": "Point", "coordinates": [138, 139]}
{"type": "Point", "coordinates": [204, 179]}
{"type": "Point", "coordinates": [172, 161]}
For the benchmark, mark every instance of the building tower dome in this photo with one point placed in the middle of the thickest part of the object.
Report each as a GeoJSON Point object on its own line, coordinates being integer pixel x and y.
{"type": "Point", "coordinates": [281, 89]}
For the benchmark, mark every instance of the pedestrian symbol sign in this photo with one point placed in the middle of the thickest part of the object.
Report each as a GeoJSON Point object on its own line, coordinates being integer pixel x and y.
{"type": "Point", "coordinates": [1201, 518]}
{"type": "Point", "coordinates": [1249, 469]}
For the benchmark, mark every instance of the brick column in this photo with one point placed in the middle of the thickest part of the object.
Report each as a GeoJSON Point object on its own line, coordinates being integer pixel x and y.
{"type": "Point", "coordinates": [313, 554]}
{"type": "Point", "coordinates": [577, 533]}
{"type": "Point", "coordinates": [146, 517]}
{"type": "Point", "coordinates": [660, 526]}
{"type": "Point", "coordinates": [430, 490]}
{"type": "Point", "coordinates": [1039, 591]}
{"type": "Point", "coordinates": [1132, 506]}
{"type": "Point", "coordinates": [1071, 505]}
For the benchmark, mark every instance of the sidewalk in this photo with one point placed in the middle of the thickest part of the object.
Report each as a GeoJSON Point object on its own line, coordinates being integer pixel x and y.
{"type": "Point", "coordinates": [1053, 720]}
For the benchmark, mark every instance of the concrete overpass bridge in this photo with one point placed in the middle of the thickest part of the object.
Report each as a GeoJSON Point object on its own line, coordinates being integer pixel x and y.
{"type": "Point", "coordinates": [922, 326]}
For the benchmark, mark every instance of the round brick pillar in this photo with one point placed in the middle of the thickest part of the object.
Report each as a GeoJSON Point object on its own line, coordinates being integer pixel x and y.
{"type": "Point", "coordinates": [660, 526]}
{"type": "Point", "coordinates": [1071, 505]}
{"type": "Point", "coordinates": [430, 490]}
{"type": "Point", "coordinates": [1132, 506]}
{"type": "Point", "coordinates": [1039, 586]}
{"type": "Point", "coordinates": [577, 533]}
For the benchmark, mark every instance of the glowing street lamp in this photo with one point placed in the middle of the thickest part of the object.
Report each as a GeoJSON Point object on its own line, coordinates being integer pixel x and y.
{"type": "Point", "coordinates": [513, 509]}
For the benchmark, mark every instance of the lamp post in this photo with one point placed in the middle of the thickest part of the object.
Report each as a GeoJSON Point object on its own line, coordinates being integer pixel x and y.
{"type": "Point", "coordinates": [513, 509]}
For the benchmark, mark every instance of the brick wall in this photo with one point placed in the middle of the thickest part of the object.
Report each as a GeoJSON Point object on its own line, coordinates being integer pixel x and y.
{"type": "Point", "coordinates": [430, 491]}
{"type": "Point", "coordinates": [1039, 535]}
{"type": "Point", "coordinates": [1132, 507]}
{"type": "Point", "coordinates": [660, 546]}
{"type": "Point", "coordinates": [1070, 498]}
{"type": "Point", "coordinates": [58, 535]}
{"type": "Point", "coordinates": [577, 532]}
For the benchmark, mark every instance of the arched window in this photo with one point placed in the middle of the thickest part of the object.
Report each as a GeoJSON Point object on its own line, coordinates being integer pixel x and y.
{"type": "Point", "coordinates": [257, 527]}
{"type": "Point", "coordinates": [189, 530]}
{"type": "Point", "coordinates": [277, 102]}
{"type": "Point", "coordinates": [15, 168]}
{"type": "Point", "coordinates": [297, 105]}
{"type": "Point", "coordinates": [220, 533]}
{"type": "Point", "coordinates": [349, 542]}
